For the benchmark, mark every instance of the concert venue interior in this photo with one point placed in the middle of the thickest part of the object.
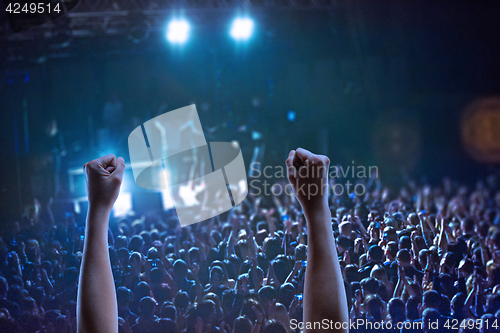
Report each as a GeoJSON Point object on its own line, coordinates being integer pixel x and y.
{"type": "Point", "coordinates": [402, 96]}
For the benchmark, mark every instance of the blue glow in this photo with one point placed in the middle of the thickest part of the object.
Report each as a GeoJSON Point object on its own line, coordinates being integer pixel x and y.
{"type": "Point", "coordinates": [291, 115]}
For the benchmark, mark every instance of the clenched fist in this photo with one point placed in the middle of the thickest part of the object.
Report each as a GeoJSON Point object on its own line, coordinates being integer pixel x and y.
{"type": "Point", "coordinates": [97, 310]}
{"type": "Point", "coordinates": [104, 177]}
{"type": "Point", "coordinates": [308, 175]}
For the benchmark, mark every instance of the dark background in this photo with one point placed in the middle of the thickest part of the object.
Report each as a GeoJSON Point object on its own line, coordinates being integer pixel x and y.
{"type": "Point", "coordinates": [377, 83]}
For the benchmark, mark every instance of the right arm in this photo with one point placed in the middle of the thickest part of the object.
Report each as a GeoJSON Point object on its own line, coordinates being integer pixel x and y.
{"type": "Point", "coordinates": [96, 304]}
{"type": "Point", "coordinates": [321, 300]}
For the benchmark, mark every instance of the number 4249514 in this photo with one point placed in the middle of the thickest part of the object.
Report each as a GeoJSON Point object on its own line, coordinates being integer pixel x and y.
{"type": "Point", "coordinates": [18, 8]}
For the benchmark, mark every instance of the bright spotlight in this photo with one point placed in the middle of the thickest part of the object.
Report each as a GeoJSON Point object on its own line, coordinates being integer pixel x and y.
{"type": "Point", "coordinates": [178, 31]}
{"type": "Point", "coordinates": [242, 28]}
{"type": "Point", "coordinates": [123, 204]}
{"type": "Point", "coordinates": [167, 200]}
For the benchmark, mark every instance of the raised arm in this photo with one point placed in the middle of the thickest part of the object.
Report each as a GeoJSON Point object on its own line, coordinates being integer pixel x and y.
{"type": "Point", "coordinates": [96, 308]}
{"type": "Point", "coordinates": [324, 293]}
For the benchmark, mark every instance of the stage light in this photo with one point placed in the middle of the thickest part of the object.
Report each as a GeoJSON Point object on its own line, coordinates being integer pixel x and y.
{"type": "Point", "coordinates": [166, 196]}
{"type": "Point", "coordinates": [123, 204]}
{"type": "Point", "coordinates": [167, 200]}
{"type": "Point", "coordinates": [178, 31]}
{"type": "Point", "coordinates": [256, 135]}
{"type": "Point", "coordinates": [242, 28]}
{"type": "Point", "coordinates": [480, 129]}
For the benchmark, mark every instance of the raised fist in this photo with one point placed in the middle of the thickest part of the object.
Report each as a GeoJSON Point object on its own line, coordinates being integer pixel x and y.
{"type": "Point", "coordinates": [308, 175]}
{"type": "Point", "coordinates": [103, 177]}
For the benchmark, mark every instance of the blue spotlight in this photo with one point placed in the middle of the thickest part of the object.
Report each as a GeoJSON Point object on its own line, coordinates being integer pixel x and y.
{"type": "Point", "coordinates": [291, 115]}
{"type": "Point", "coordinates": [242, 28]}
{"type": "Point", "coordinates": [178, 31]}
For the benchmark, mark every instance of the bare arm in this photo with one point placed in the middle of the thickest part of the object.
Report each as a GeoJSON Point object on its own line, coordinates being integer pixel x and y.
{"type": "Point", "coordinates": [96, 307]}
{"type": "Point", "coordinates": [425, 231]}
{"type": "Point", "coordinates": [442, 243]}
{"type": "Point", "coordinates": [485, 256]}
{"type": "Point", "coordinates": [294, 272]}
{"type": "Point", "coordinates": [362, 228]}
{"type": "Point", "coordinates": [321, 300]}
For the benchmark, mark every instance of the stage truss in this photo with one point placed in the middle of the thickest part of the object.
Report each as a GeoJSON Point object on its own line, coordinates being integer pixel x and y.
{"type": "Point", "coordinates": [91, 18]}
